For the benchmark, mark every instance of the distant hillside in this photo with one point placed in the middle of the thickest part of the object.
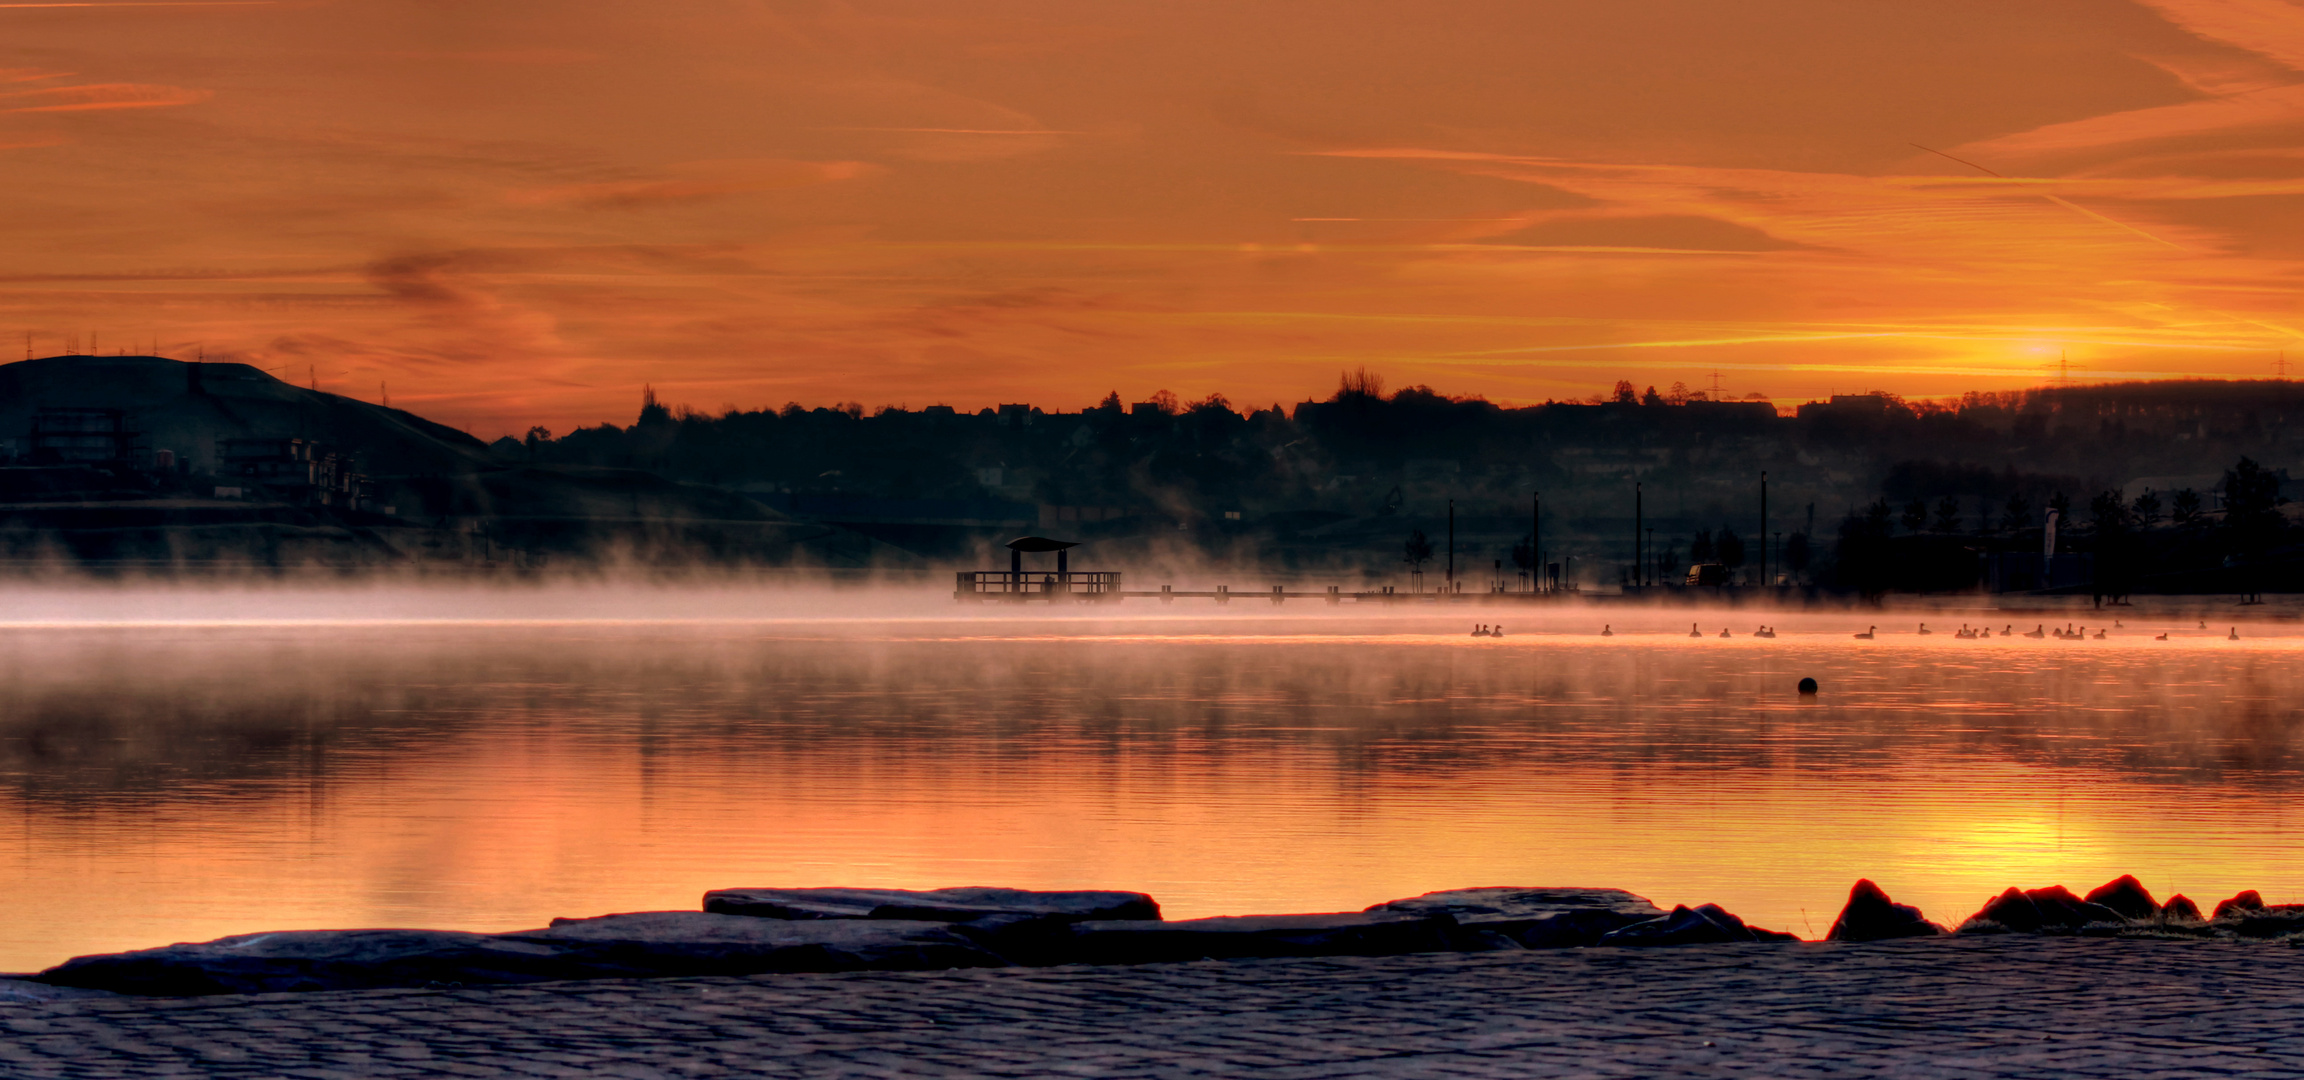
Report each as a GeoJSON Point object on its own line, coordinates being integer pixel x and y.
{"type": "Point", "coordinates": [190, 409]}
{"type": "Point", "coordinates": [144, 461]}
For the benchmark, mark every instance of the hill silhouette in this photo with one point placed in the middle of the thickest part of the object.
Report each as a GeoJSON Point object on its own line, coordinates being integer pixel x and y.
{"type": "Point", "coordinates": [151, 462]}
{"type": "Point", "coordinates": [191, 409]}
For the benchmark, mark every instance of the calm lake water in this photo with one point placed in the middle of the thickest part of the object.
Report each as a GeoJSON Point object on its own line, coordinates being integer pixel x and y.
{"type": "Point", "coordinates": [166, 779]}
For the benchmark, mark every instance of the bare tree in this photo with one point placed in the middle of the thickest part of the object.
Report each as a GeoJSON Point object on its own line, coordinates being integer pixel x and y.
{"type": "Point", "coordinates": [1416, 552]}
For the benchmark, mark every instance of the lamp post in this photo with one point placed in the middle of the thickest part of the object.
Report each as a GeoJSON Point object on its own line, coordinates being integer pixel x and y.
{"type": "Point", "coordinates": [1451, 585]}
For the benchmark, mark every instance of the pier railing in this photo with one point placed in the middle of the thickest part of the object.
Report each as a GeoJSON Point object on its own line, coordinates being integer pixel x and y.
{"type": "Point", "coordinates": [1037, 585]}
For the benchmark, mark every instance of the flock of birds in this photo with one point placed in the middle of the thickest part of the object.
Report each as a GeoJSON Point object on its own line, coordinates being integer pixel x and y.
{"type": "Point", "coordinates": [2067, 632]}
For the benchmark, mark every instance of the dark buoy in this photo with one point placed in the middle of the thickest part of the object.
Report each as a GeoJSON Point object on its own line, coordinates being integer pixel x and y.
{"type": "Point", "coordinates": [1807, 686]}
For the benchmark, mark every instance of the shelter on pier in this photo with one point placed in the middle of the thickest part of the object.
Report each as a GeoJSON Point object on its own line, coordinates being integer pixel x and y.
{"type": "Point", "coordinates": [1017, 584]}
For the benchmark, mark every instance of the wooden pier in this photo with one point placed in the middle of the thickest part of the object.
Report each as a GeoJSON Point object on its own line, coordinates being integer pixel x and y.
{"type": "Point", "coordinates": [1104, 586]}
{"type": "Point", "coordinates": [1017, 585]}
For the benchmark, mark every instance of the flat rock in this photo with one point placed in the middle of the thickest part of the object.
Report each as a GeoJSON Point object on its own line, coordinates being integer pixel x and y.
{"type": "Point", "coordinates": [1870, 915]}
{"type": "Point", "coordinates": [2126, 895]}
{"type": "Point", "coordinates": [1534, 918]}
{"type": "Point", "coordinates": [19, 991]}
{"type": "Point", "coordinates": [323, 960]}
{"type": "Point", "coordinates": [1706, 924]}
{"type": "Point", "coordinates": [700, 943]}
{"type": "Point", "coordinates": [930, 905]}
{"type": "Point", "coordinates": [2031, 911]}
{"type": "Point", "coordinates": [1350, 933]}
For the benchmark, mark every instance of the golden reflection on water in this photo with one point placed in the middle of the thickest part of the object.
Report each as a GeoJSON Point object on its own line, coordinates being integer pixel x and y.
{"type": "Point", "coordinates": [171, 782]}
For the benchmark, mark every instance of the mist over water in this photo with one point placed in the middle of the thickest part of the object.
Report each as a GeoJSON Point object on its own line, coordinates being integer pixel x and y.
{"type": "Point", "coordinates": [184, 763]}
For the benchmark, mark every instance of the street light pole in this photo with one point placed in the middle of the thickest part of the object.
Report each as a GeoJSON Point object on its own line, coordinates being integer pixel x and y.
{"type": "Point", "coordinates": [1536, 542]}
{"type": "Point", "coordinates": [1763, 527]}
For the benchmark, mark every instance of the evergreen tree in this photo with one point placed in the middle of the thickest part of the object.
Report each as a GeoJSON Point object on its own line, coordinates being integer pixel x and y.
{"type": "Point", "coordinates": [2146, 509]}
{"type": "Point", "coordinates": [2184, 507]}
{"type": "Point", "coordinates": [2252, 508]}
{"type": "Point", "coordinates": [1947, 515]}
{"type": "Point", "coordinates": [2016, 513]}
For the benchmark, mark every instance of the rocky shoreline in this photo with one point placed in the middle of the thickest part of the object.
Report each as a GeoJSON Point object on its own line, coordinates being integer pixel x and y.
{"type": "Point", "coordinates": [758, 931]}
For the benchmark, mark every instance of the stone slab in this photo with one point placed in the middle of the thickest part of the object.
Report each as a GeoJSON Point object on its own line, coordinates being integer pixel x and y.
{"type": "Point", "coordinates": [1704, 924]}
{"type": "Point", "coordinates": [700, 943]}
{"type": "Point", "coordinates": [1534, 917]}
{"type": "Point", "coordinates": [314, 960]}
{"type": "Point", "coordinates": [23, 991]}
{"type": "Point", "coordinates": [1351, 933]}
{"type": "Point", "coordinates": [963, 904]}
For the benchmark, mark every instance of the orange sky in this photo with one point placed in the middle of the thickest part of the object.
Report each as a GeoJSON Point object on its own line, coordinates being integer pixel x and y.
{"type": "Point", "coordinates": [518, 212]}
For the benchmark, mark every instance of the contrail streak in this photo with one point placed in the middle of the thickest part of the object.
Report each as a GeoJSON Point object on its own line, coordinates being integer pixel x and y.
{"type": "Point", "coordinates": [962, 131]}
{"type": "Point", "coordinates": [2057, 199]}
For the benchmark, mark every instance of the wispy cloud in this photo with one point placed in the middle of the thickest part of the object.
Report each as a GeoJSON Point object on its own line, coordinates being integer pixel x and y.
{"type": "Point", "coordinates": [2273, 28]}
{"type": "Point", "coordinates": [959, 131]}
{"type": "Point", "coordinates": [97, 96]}
{"type": "Point", "coordinates": [523, 57]}
{"type": "Point", "coordinates": [147, 4]}
{"type": "Point", "coordinates": [703, 180]}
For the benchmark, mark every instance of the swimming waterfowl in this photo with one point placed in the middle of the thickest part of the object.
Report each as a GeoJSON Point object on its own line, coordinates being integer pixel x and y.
{"type": "Point", "coordinates": [1605, 631]}
{"type": "Point", "coordinates": [1765, 632]}
{"type": "Point", "coordinates": [1693, 632]}
{"type": "Point", "coordinates": [2163, 637]}
{"type": "Point", "coordinates": [1867, 634]}
{"type": "Point", "coordinates": [1924, 631]}
{"type": "Point", "coordinates": [2040, 631]}
{"type": "Point", "coordinates": [1723, 631]}
{"type": "Point", "coordinates": [2235, 634]}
